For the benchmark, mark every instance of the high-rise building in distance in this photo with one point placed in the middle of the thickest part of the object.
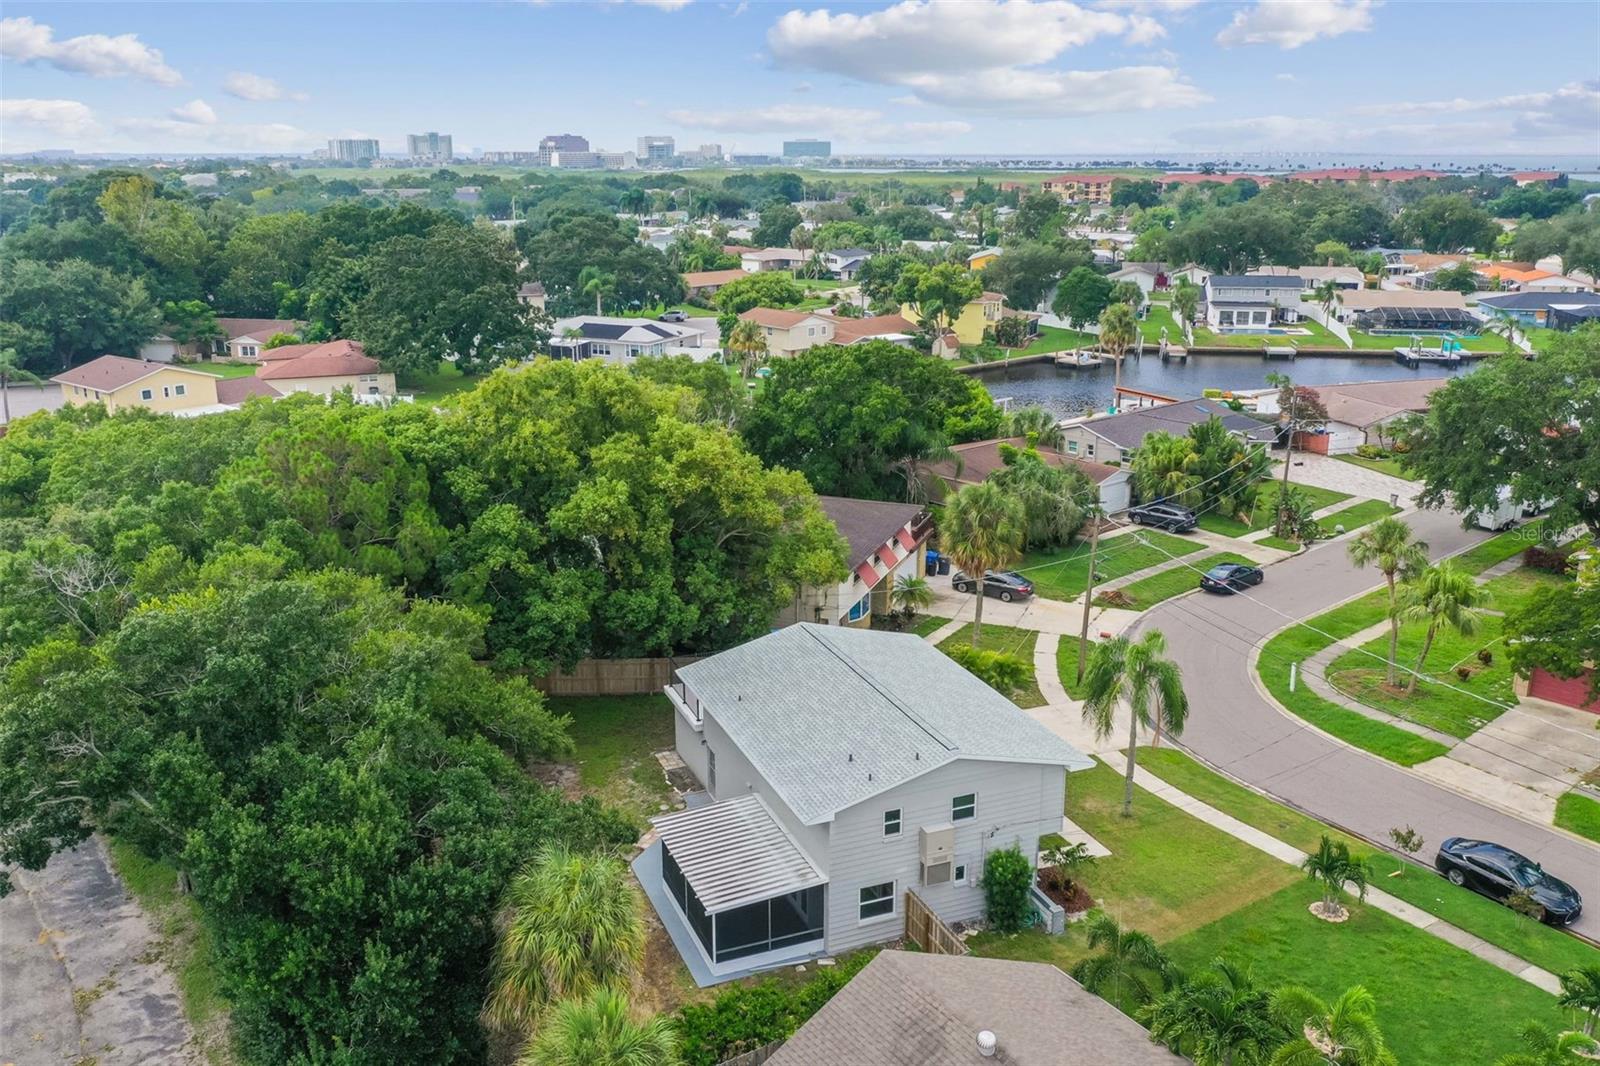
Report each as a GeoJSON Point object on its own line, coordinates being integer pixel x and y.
{"type": "Point", "coordinates": [656, 151]}
{"type": "Point", "coordinates": [805, 149]}
{"type": "Point", "coordinates": [564, 142]}
{"type": "Point", "coordinates": [433, 147]}
{"type": "Point", "coordinates": [353, 150]}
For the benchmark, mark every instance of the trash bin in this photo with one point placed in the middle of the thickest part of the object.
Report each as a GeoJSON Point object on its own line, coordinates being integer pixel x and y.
{"type": "Point", "coordinates": [944, 566]}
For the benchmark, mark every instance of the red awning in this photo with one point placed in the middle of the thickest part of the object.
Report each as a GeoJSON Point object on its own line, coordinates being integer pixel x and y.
{"type": "Point", "coordinates": [906, 539]}
{"type": "Point", "coordinates": [866, 573]}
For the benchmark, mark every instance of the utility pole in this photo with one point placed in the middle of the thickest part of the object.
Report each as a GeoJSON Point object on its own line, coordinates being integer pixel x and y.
{"type": "Point", "coordinates": [1088, 592]}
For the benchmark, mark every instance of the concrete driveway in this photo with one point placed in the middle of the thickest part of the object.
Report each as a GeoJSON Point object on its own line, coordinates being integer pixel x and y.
{"type": "Point", "coordinates": [1235, 728]}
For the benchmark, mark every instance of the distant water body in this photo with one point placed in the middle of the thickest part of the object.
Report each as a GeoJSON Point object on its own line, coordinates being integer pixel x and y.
{"type": "Point", "coordinates": [1073, 392]}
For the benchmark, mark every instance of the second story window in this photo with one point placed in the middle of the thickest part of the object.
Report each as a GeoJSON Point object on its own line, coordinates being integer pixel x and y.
{"type": "Point", "coordinates": [964, 807]}
{"type": "Point", "coordinates": [891, 823]}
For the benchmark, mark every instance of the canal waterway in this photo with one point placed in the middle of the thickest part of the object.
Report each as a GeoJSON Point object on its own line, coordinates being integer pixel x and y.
{"type": "Point", "coordinates": [1069, 393]}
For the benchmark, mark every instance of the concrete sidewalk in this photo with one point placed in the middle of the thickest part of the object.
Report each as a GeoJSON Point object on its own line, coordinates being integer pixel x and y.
{"type": "Point", "coordinates": [1411, 915]}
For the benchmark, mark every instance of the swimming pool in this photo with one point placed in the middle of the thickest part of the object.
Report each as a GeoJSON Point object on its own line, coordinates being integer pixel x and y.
{"type": "Point", "coordinates": [1264, 331]}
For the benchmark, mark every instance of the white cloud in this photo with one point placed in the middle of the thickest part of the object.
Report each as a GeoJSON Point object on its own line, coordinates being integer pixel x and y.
{"type": "Point", "coordinates": [247, 86]}
{"type": "Point", "coordinates": [195, 111]}
{"type": "Point", "coordinates": [788, 118]}
{"type": "Point", "coordinates": [1285, 77]}
{"type": "Point", "coordinates": [1047, 93]}
{"type": "Point", "coordinates": [984, 55]}
{"type": "Point", "coordinates": [1168, 7]}
{"type": "Point", "coordinates": [802, 87]}
{"type": "Point", "coordinates": [1578, 101]}
{"type": "Point", "coordinates": [94, 54]}
{"type": "Point", "coordinates": [665, 5]}
{"type": "Point", "coordinates": [178, 135]}
{"type": "Point", "coordinates": [64, 118]}
{"type": "Point", "coordinates": [1292, 23]}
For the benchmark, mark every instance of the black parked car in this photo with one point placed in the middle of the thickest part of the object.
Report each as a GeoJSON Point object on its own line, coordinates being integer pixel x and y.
{"type": "Point", "coordinates": [1004, 584]}
{"type": "Point", "coordinates": [1168, 516]}
{"type": "Point", "coordinates": [1231, 577]}
{"type": "Point", "coordinates": [1498, 872]}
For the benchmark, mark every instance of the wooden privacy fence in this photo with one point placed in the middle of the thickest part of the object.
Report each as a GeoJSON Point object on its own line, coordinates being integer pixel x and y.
{"type": "Point", "coordinates": [612, 677]}
{"type": "Point", "coordinates": [929, 930]}
{"type": "Point", "coordinates": [754, 1058]}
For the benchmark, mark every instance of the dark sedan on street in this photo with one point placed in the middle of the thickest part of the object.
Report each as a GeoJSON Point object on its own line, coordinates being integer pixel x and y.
{"type": "Point", "coordinates": [1005, 585]}
{"type": "Point", "coordinates": [1231, 577]}
{"type": "Point", "coordinates": [1500, 873]}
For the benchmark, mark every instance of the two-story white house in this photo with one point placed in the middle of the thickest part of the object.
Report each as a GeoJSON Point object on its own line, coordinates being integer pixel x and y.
{"type": "Point", "coordinates": [844, 768]}
{"type": "Point", "coordinates": [1242, 302]}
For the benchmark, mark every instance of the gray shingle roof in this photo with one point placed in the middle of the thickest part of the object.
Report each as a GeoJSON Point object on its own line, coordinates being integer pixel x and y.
{"type": "Point", "coordinates": [830, 716]}
{"type": "Point", "coordinates": [867, 525]}
{"type": "Point", "coordinates": [1242, 281]}
{"type": "Point", "coordinates": [1129, 429]}
{"type": "Point", "coordinates": [914, 1009]}
{"type": "Point", "coordinates": [1537, 301]}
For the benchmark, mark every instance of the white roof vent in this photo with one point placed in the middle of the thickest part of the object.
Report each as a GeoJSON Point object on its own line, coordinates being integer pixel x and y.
{"type": "Point", "coordinates": [986, 1043]}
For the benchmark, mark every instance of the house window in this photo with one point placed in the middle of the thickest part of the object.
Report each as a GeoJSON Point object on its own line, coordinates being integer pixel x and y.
{"type": "Point", "coordinates": [811, 331]}
{"type": "Point", "coordinates": [964, 807]}
{"type": "Point", "coordinates": [891, 823]}
{"type": "Point", "coordinates": [249, 351]}
{"type": "Point", "coordinates": [711, 771]}
{"type": "Point", "coordinates": [1090, 448]}
{"type": "Point", "coordinates": [862, 608]}
{"type": "Point", "coordinates": [877, 901]}
{"type": "Point", "coordinates": [960, 877]}
{"type": "Point", "coordinates": [1072, 447]}
{"type": "Point", "coordinates": [147, 394]}
{"type": "Point", "coordinates": [180, 390]}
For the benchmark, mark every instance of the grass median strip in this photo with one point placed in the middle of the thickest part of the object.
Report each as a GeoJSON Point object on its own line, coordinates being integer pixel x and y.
{"type": "Point", "coordinates": [1579, 814]}
{"type": "Point", "coordinates": [928, 624]}
{"type": "Point", "coordinates": [1149, 591]}
{"type": "Point", "coordinates": [1266, 509]}
{"type": "Point", "coordinates": [1382, 466]}
{"type": "Point", "coordinates": [1011, 641]}
{"type": "Point", "coordinates": [1539, 944]}
{"type": "Point", "coordinates": [1361, 514]}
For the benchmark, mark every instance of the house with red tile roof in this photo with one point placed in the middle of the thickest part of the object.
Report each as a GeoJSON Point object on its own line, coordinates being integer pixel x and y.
{"type": "Point", "coordinates": [325, 369]}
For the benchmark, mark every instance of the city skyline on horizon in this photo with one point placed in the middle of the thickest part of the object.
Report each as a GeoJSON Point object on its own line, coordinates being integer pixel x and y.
{"type": "Point", "coordinates": [1127, 78]}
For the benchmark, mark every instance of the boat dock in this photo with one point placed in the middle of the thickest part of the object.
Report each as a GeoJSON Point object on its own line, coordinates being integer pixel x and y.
{"type": "Point", "coordinates": [1415, 357]}
{"type": "Point", "coordinates": [1280, 352]}
{"type": "Point", "coordinates": [1078, 359]}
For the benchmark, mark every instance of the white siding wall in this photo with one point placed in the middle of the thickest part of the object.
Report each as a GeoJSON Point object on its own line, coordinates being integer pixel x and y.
{"type": "Point", "coordinates": [1016, 805]}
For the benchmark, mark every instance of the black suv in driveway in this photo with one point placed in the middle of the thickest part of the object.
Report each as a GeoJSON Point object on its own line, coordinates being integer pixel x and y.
{"type": "Point", "coordinates": [1168, 516]}
{"type": "Point", "coordinates": [1006, 585]}
{"type": "Point", "coordinates": [1231, 577]}
{"type": "Point", "coordinates": [1499, 873]}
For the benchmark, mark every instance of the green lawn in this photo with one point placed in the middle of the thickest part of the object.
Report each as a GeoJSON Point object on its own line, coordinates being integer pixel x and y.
{"type": "Point", "coordinates": [223, 370]}
{"type": "Point", "coordinates": [1054, 339]}
{"type": "Point", "coordinates": [1499, 548]}
{"type": "Point", "coordinates": [1281, 543]}
{"type": "Point", "coordinates": [1388, 343]}
{"type": "Point", "coordinates": [1298, 643]}
{"type": "Point", "coordinates": [1266, 509]}
{"type": "Point", "coordinates": [617, 738]}
{"type": "Point", "coordinates": [1580, 814]}
{"type": "Point", "coordinates": [1067, 665]}
{"type": "Point", "coordinates": [1436, 1003]}
{"type": "Point", "coordinates": [1382, 466]}
{"type": "Point", "coordinates": [1156, 318]}
{"type": "Point", "coordinates": [1512, 591]}
{"type": "Point", "coordinates": [1011, 641]}
{"type": "Point", "coordinates": [1201, 893]}
{"type": "Point", "coordinates": [1149, 591]}
{"type": "Point", "coordinates": [1063, 573]}
{"type": "Point", "coordinates": [1527, 939]}
{"type": "Point", "coordinates": [438, 386]}
{"type": "Point", "coordinates": [1356, 516]}
{"type": "Point", "coordinates": [1315, 337]}
{"type": "Point", "coordinates": [185, 945]}
{"type": "Point", "coordinates": [928, 624]}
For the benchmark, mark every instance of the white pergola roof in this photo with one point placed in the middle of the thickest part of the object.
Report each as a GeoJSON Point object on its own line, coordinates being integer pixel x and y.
{"type": "Point", "coordinates": [734, 852]}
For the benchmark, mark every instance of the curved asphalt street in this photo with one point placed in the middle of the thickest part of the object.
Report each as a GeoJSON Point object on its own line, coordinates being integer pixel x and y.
{"type": "Point", "coordinates": [1236, 729]}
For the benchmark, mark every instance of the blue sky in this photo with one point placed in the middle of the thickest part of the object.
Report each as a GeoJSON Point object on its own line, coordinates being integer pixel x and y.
{"type": "Point", "coordinates": [1123, 77]}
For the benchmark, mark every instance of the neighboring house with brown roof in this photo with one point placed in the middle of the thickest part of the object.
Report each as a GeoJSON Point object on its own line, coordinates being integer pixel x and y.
{"type": "Point", "coordinates": [707, 282]}
{"type": "Point", "coordinates": [531, 294]}
{"type": "Point", "coordinates": [886, 542]}
{"type": "Point", "coordinates": [893, 328]}
{"type": "Point", "coordinates": [1426, 308]}
{"type": "Point", "coordinates": [790, 332]}
{"type": "Point", "coordinates": [245, 339]}
{"type": "Point", "coordinates": [919, 1009]}
{"type": "Point", "coordinates": [326, 369]}
{"type": "Point", "coordinates": [1359, 411]}
{"type": "Point", "coordinates": [232, 392]}
{"type": "Point", "coordinates": [760, 259]}
{"type": "Point", "coordinates": [122, 383]}
{"type": "Point", "coordinates": [975, 461]}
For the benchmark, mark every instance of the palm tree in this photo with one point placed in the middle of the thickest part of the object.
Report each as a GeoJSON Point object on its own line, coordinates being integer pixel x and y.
{"type": "Point", "coordinates": [592, 281]}
{"type": "Point", "coordinates": [981, 529]}
{"type": "Point", "coordinates": [1580, 991]}
{"type": "Point", "coordinates": [916, 467]}
{"type": "Point", "coordinates": [1504, 324]}
{"type": "Point", "coordinates": [1217, 1018]}
{"type": "Point", "coordinates": [911, 594]}
{"type": "Point", "coordinates": [1039, 426]}
{"type": "Point", "coordinates": [1163, 467]}
{"type": "Point", "coordinates": [1332, 864]}
{"type": "Point", "coordinates": [1125, 956]}
{"type": "Point", "coordinates": [11, 369]}
{"type": "Point", "coordinates": [1344, 1033]}
{"type": "Point", "coordinates": [571, 926]}
{"type": "Point", "coordinates": [1151, 683]}
{"type": "Point", "coordinates": [599, 1030]}
{"type": "Point", "coordinates": [1546, 1047]}
{"type": "Point", "coordinates": [749, 344]}
{"type": "Point", "coordinates": [1327, 297]}
{"type": "Point", "coordinates": [1186, 301]}
{"type": "Point", "coordinates": [1391, 546]}
{"type": "Point", "coordinates": [1440, 595]}
{"type": "Point", "coordinates": [1118, 330]}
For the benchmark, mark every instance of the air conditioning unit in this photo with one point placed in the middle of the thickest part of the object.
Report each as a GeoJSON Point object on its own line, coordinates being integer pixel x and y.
{"type": "Point", "coordinates": [936, 873]}
{"type": "Point", "coordinates": [936, 843]}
